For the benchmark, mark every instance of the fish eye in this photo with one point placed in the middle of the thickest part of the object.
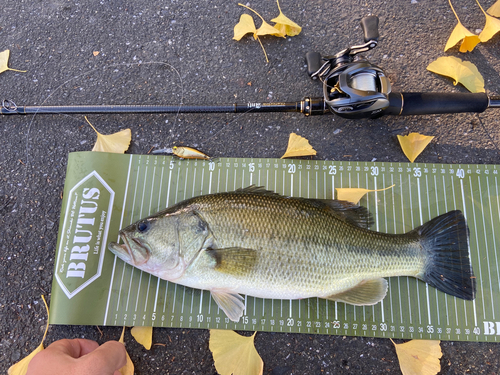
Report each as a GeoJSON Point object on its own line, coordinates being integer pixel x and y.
{"type": "Point", "coordinates": [143, 226]}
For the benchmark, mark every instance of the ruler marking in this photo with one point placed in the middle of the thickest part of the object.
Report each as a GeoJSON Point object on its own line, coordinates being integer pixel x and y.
{"type": "Point", "coordinates": [486, 245]}
{"type": "Point", "coordinates": [152, 191]}
{"type": "Point", "coordinates": [404, 228]}
{"type": "Point", "coordinates": [131, 221]}
{"type": "Point", "coordinates": [160, 188]}
{"type": "Point", "coordinates": [120, 288]}
{"type": "Point", "coordinates": [147, 293]}
{"type": "Point", "coordinates": [475, 225]}
{"type": "Point", "coordinates": [118, 239]}
{"type": "Point", "coordinates": [386, 230]}
{"type": "Point", "coordinates": [493, 234]}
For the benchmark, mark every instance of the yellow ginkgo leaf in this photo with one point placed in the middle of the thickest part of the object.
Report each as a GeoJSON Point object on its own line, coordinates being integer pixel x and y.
{"type": "Point", "coordinates": [234, 354]}
{"type": "Point", "coordinates": [21, 367]}
{"type": "Point", "coordinates": [460, 33]}
{"type": "Point", "coordinates": [354, 195]}
{"type": "Point", "coordinates": [117, 143]}
{"type": "Point", "coordinates": [491, 27]}
{"type": "Point", "coordinates": [413, 144]}
{"type": "Point", "coordinates": [298, 146]}
{"type": "Point", "coordinates": [285, 25]}
{"type": "Point", "coordinates": [419, 357]}
{"type": "Point", "coordinates": [463, 72]}
{"type": "Point", "coordinates": [4, 62]}
{"type": "Point", "coordinates": [245, 26]}
{"type": "Point", "coordinates": [494, 10]}
{"type": "Point", "coordinates": [128, 369]}
{"type": "Point", "coordinates": [143, 335]}
{"type": "Point", "coordinates": [267, 29]}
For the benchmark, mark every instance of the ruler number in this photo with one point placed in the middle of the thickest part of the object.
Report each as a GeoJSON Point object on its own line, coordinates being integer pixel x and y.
{"type": "Point", "coordinates": [417, 172]}
{"type": "Point", "coordinates": [374, 171]}
{"type": "Point", "coordinates": [199, 318]}
{"type": "Point", "coordinates": [211, 166]}
{"type": "Point", "coordinates": [460, 173]}
{"type": "Point", "coordinates": [292, 168]}
{"type": "Point", "coordinates": [430, 329]}
{"type": "Point", "coordinates": [171, 165]}
{"type": "Point", "coordinates": [290, 322]}
{"type": "Point", "coordinates": [333, 169]}
{"type": "Point", "coordinates": [251, 167]}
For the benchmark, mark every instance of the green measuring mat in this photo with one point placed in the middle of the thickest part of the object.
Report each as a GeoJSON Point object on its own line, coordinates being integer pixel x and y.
{"type": "Point", "coordinates": [105, 192]}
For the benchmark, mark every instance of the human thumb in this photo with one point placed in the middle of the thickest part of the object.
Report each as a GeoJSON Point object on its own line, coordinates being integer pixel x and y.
{"type": "Point", "coordinates": [105, 359]}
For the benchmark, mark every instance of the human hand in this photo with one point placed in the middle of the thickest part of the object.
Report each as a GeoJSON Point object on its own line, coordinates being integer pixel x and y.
{"type": "Point", "coordinates": [79, 357]}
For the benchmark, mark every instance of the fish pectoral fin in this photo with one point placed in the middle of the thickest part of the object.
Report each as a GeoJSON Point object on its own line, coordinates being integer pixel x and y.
{"type": "Point", "coordinates": [235, 261]}
{"type": "Point", "coordinates": [231, 303]}
{"type": "Point", "coordinates": [365, 293]}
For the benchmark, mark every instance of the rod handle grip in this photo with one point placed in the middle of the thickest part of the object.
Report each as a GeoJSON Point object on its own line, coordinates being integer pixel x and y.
{"type": "Point", "coordinates": [426, 103]}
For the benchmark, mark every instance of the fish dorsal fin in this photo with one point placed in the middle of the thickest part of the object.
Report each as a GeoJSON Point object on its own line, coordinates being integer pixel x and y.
{"type": "Point", "coordinates": [236, 261]}
{"type": "Point", "coordinates": [231, 303]}
{"type": "Point", "coordinates": [365, 293]}
{"type": "Point", "coordinates": [349, 212]}
{"type": "Point", "coordinates": [344, 210]}
{"type": "Point", "coordinates": [253, 189]}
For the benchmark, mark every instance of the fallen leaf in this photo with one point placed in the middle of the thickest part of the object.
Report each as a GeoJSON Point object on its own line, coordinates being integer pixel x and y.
{"type": "Point", "coordinates": [267, 29]}
{"type": "Point", "coordinates": [245, 26]}
{"type": "Point", "coordinates": [143, 335]}
{"type": "Point", "coordinates": [298, 146]}
{"type": "Point", "coordinates": [21, 367]}
{"type": "Point", "coordinates": [460, 33]}
{"type": "Point", "coordinates": [95, 53]}
{"type": "Point", "coordinates": [413, 144]}
{"type": "Point", "coordinates": [494, 10]}
{"type": "Point", "coordinates": [463, 72]}
{"type": "Point", "coordinates": [419, 357]}
{"type": "Point", "coordinates": [4, 62]}
{"type": "Point", "coordinates": [234, 354]}
{"type": "Point", "coordinates": [354, 195]}
{"type": "Point", "coordinates": [128, 369]}
{"type": "Point", "coordinates": [285, 25]}
{"type": "Point", "coordinates": [117, 143]}
{"type": "Point", "coordinates": [491, 27]}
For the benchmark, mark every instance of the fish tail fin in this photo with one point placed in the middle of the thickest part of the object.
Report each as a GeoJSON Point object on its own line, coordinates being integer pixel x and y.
{"type": "Point", "coordinates": [445, 239]}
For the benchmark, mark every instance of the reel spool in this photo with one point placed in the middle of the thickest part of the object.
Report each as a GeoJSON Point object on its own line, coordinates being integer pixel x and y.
{"type": "Point", "coordinates": [357, 90]}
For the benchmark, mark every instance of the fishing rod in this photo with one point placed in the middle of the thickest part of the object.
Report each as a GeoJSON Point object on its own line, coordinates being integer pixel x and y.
{"type": "Point", "coordinates": [353, 88]}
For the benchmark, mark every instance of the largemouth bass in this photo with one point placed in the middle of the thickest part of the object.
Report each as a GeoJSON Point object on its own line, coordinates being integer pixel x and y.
{"type": "Point", "coordinates": [259, 243]}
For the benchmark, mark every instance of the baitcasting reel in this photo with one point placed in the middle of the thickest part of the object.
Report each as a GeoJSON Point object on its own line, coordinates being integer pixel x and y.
{"type": "Point", "coordinates": [352, 87]}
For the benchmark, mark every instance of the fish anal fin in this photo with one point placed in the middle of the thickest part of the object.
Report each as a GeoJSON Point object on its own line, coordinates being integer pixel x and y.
{"type": "Point", "coordinates": [369, 292]}
{"type": "Point", "coordinates": [235, 261]}
{"type": "Point", "coordinates": [231, 303]}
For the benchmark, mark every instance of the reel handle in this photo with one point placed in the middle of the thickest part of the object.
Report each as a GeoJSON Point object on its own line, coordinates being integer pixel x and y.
{"type": "Point", "coordinates": [369, 25]}
{"type": "Point", "coordinates": [424, 103]}
{"type": "Point", "coordinates": [314, 62]}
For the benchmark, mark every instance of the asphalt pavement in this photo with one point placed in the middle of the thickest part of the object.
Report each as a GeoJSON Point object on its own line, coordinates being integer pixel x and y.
{"type": "Point", "coordinates": [176, 51]}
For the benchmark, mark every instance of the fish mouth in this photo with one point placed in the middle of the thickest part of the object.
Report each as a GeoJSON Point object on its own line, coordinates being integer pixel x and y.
{"type": "Point", "coordinates": [132, 251]}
